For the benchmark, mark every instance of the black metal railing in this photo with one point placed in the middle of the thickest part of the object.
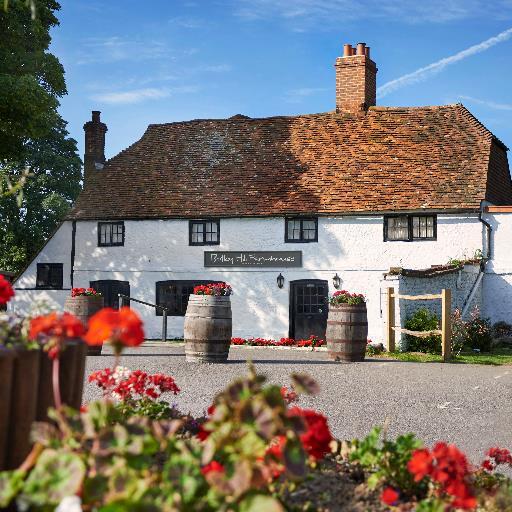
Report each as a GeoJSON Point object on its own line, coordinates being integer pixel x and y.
{"type": "Point", "coordinates": [123, 298]}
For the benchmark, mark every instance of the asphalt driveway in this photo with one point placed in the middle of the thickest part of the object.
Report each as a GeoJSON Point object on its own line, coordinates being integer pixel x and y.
{"type": "Point", "coordinates": [469, 405]}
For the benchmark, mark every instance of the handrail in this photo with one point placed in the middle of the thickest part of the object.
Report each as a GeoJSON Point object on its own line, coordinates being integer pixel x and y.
{"type": "Point", "coordinates": [163, 308]}
{"type": "Point", "coordinates": [156, 306]}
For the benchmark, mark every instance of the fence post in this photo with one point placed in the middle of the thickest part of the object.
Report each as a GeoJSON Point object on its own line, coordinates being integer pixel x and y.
{"type": "Point", "coordinates": [390, 337]}
{"type": "Point", "coordinates": [164, 325]}
{"type": "Point", "coordinates": [446, 324]}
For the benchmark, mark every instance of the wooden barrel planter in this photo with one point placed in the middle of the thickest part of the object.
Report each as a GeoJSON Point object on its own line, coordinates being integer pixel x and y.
{"type": "Point", "coordinates": [24, 385]}
{"type": "Point", "coordinates": [208, 328]}
{"type": "Point", "coordinates": [83, 307]}
{"type": "Point", "coordinates": [71, 377]}
{"type": "Point", "coordinates": [347, 332]}
{"type": "Point", "coordinates": [6, 369]}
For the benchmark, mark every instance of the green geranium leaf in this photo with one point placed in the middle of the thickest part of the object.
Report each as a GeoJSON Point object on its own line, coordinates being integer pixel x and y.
{"type": "Point", "coordinates": [55, 476]}
{"type": "Point", "coordinates": [303, 383]}
{"type": "Point", "coordinates": [294, 458]}
{"type": "Point", "coordinates": [260, 502]}
{"type": "Point", "coordinates": [11, 483]}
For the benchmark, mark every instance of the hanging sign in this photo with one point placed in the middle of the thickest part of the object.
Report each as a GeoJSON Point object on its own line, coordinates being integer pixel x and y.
{"type": "Point", "coordinates": [279, 259]}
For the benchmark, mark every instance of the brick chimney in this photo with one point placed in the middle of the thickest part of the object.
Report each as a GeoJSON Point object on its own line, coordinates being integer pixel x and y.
{"type": "Point", "coordinates": [94, 157]}
{"type": "Point", "coordinates": [356, 80]}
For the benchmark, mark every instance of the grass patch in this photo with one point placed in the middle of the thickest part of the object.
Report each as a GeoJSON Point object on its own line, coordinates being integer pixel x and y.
{"type": "Point", "coordinates": [500, 356]}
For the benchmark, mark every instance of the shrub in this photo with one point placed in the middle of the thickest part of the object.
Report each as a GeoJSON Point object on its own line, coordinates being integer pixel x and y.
{"type": "Point", "coordinates": [479, 332]}
{"type": "Point", "coordinates": [501, 329]}
{"type": "Point", "coordinates": [423, 320]}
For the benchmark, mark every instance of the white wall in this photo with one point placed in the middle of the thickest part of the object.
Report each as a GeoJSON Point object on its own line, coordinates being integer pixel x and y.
{"type": "Point", "coordinates": [154, 251]}
{"type": "Point", "coordinates": [497, 285]}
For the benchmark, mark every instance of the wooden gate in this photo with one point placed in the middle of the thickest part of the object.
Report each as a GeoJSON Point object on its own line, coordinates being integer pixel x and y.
{"type": "Point", "coordinates": [446, 320]}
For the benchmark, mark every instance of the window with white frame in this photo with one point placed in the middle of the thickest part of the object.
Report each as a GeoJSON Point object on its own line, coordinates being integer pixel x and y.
{"type": "Point", "coordinates": [408, 228]}
{"type": "Point", "coordinates": [204, 232]}
{"type": "Point", "coordinates": [301, 229]}
{"type": "Point", "coordinates": [110, 234]}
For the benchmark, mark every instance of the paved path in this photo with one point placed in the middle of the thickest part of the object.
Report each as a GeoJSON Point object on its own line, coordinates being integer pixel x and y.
{"type": "Point", "coordinates": [469, 405]}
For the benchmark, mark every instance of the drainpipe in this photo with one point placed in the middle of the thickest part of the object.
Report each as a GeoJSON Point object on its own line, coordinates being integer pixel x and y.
{"type": "Point", "coordinates": [487, 257]}
{"type": "Point", "coordinates": [488, 250]}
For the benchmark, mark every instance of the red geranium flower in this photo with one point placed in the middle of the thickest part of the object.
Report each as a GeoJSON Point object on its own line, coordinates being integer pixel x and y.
{"type": "Point", "coordinates": [121, 328]}
{"type": "Point", "coordinates": [317, 437]}
{"type": "Point", "coordinates": [213, 466]}
{"type": "Point", "coordinates": [420, 464]}
{"type": "Point", "coordinates": [289, 395]}
{"type": "Point", "coordinates": [389, 496]}
{"type": "Point", "coordinates": [6, 291]}
{"type": "Point", "coordinates": [448, 467]}
{"type": "Point", "coordinates": [56, 328]}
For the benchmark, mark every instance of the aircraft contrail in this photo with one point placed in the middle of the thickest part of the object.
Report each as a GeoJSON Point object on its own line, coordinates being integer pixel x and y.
{"type": "Point", "coordinates": [436, 67]}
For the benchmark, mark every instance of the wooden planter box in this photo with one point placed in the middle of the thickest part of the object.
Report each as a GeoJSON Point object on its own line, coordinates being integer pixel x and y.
{"type": "Point", "coordinates": [347, 332]}
{"type": "Point", "coordinates": [83, 307]}
{"type": "Point", "coordinates": [26, 384]}
{"type": "Point", "coordinates": [208, 329]}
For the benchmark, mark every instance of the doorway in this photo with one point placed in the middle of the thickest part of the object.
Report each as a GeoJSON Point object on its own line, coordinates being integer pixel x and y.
{"type": "Point", "coordinates": [308, 308]}
{"type": "Point", "coordinates": [110, 289]}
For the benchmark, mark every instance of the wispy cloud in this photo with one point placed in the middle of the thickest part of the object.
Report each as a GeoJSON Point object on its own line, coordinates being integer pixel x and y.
{"type": "Point", "coordinates": [117, 49]}
{"type": "Point", "coordinates": [140, 95]}
{"type": "Point", "coordinates": [186, 22]}
{"type": "Point", "coordinates": [425, 72]}
{"type": "Point", "coordinates": [486, 103]}
{"type": "Point", "coordinates": [302, 14]}
{"type": "Point", "coordinates": [127, 97]}
{"type": "Point", "coordinates": [298, 95]}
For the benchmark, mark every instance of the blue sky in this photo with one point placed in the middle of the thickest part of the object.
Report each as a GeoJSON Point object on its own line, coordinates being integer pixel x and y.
{"type": "Point", "coordinates": [143, 62]}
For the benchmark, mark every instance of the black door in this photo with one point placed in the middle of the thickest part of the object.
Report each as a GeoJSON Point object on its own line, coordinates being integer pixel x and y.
{"type": "Point", "coordinates": [308, 308]}
{"type": "Point", "coordinates": [110, 289]}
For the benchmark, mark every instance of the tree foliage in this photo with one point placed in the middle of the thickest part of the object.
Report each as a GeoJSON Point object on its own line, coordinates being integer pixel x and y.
{"type": "Point", "coordinates": [32, 133]}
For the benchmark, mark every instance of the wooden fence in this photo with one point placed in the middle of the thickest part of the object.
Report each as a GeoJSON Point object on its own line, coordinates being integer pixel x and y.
{"type": "Point", "coordinates": [446, 318]}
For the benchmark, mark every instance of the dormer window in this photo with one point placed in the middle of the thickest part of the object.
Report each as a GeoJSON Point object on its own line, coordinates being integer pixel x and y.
{"type": "Point", "coordinates": [204, 232]}
{"type": "Point", "coordinates": [110, 234]}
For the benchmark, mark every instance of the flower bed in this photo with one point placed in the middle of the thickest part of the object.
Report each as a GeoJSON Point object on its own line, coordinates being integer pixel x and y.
{"type": "Point", "coordinates": [313, 342]}
{"type": "Point", "coordinates": [255, 449]}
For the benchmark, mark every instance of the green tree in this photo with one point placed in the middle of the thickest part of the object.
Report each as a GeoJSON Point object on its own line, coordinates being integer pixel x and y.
{"type": "Point", "coordinates": [32, 133]}
{"type": "Point", "coordinates": [54, 182]}
{"type": "Point", "coordinates": [31, 78]}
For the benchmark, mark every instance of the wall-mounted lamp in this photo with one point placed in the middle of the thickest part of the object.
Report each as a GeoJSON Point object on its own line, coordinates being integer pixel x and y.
{"type": "Point", "coordinates": [280, 280]}
{"type": "Point", "coordinates": [336, 281]}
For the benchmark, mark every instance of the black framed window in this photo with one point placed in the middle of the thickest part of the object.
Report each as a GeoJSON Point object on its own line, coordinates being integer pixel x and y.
{"type": "Point", "coordinates": [49, 276]}
{"type": "Point", "coordinates": [204, 232]}
{"type": "Point", "coordinates": [110, 234]}
{"type": "Point", "coordinates": [301, 229]}
{"type": "Point", "coordinates": [410, 227]}
{"type": "Point", "coordinates": [174, 296]}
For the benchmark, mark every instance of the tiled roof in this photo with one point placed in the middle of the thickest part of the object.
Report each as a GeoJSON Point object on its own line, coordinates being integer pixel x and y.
{"type": "Point", "coordinates": [387, 159]}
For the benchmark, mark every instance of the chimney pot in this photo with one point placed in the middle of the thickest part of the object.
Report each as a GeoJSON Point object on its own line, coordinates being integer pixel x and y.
{"type": "Point", "coordinates": [96, 116]}
{"type": "Point", "coordinates": [347, 50]}
{"type": "Point", "coordinates": [360, 49]}
{"type": "Point", "coordinates": [367, 51]}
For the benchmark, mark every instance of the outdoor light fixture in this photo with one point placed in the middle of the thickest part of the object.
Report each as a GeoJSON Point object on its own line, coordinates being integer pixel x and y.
{"type": "Point", "coordinates": [336, 281]}
{"type": "Point", "coordinates": [280, 281]}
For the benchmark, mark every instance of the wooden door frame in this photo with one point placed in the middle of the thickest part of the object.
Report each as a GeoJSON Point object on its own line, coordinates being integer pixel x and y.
{"type": "Point", "coordinates": [291, 326]}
